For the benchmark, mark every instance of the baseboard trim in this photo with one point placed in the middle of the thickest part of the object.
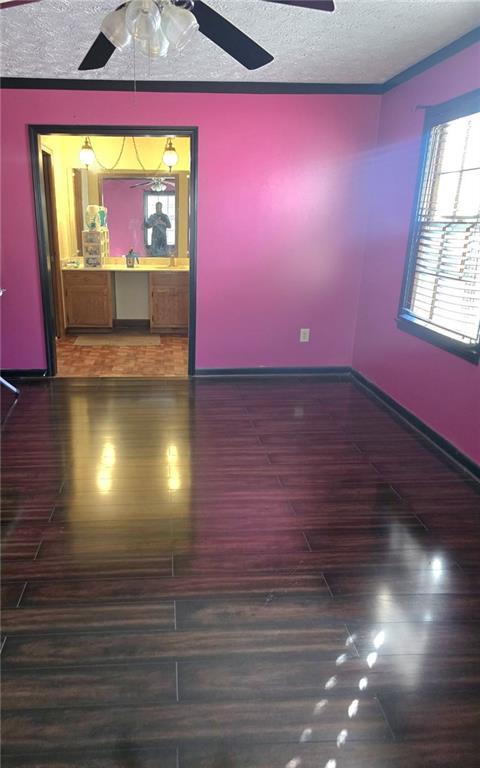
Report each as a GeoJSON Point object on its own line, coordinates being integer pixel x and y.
{"type": "Point", "coordinates": [27, 373]}
{"type": "Point", "coordinates": [447, 448]}
{"type": "Point", "coordinates": [139, 324]}
{"type": "Point", "coordinates": [342, 371]}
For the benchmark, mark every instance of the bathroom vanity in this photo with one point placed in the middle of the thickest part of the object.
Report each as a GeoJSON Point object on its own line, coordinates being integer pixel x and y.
{"type": "Point", "coordinates": [91, 303]}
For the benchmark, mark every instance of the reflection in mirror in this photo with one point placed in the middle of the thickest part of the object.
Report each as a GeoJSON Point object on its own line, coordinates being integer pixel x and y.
{"type": "Point", "coordinates": [142, 214]}
{"type": "Point", "coordinates": [160, 224]}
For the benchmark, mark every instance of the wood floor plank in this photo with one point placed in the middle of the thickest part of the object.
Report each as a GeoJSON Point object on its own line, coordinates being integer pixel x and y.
{"type": "Point", "coordinates": [111, 685]}
{"type": "Point", "coordinates": [248, 721]}
{"type": "Point", "coordinates": [94, 592]}
{"type": "Point", "coordinates": [157, 616]}
{"type": "Point", "coordinates": [423, 581]}
{"type": "Point", "coordinates": [57, 650]}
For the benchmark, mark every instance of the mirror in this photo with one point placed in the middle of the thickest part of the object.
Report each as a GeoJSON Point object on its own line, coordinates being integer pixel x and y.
{"type": "Point", "coordinates": [142, 214]}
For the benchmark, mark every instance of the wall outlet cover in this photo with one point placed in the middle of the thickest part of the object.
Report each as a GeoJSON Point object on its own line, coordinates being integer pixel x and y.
{"type": "Point", "coordinates": [304, 334]}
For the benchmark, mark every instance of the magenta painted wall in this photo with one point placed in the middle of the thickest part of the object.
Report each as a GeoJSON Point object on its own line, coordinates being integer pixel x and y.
{"type": "Point", "coordinates": [440, 388]}
{"type": "Point", "coordinates": [125, 215]}
{"type": "Point", "coordinates": [280, 227]}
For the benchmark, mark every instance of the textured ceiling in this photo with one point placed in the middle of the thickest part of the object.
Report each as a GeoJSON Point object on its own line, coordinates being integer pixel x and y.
{"type": "Point", "coordinates": [364, 41]}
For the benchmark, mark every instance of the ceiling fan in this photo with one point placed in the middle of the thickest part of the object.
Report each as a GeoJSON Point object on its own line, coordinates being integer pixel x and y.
{"type": "Point", "coordinates": [157, 25]}
{"type": "Point", "coordinates": [157, 184]}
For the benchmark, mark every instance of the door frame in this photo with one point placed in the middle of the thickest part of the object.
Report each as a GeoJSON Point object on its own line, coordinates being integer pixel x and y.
{"type": "Point", "coordinates": [35, 131]}
{"type": "Point", "coordinates": [50, 212]}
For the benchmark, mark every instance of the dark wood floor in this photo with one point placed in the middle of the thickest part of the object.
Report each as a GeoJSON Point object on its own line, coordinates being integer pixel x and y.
{"type": "Point", "coordinates": [234, 574]}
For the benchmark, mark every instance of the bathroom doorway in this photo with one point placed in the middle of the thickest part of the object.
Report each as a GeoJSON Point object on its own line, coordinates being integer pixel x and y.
{"type": "Point", "coordinates": [116, 223]}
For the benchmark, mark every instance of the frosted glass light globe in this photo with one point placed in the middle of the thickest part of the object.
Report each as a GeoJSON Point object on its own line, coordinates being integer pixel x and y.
{"type": "Point", "coordinates": [142, 18]}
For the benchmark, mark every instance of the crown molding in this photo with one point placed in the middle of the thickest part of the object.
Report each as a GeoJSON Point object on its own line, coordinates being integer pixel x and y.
{"type": "Point", "coordinates": [188, 86]}
{"type": "Point", "coordinates": [451, 49]}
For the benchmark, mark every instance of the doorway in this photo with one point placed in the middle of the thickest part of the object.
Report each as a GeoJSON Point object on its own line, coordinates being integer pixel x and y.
{"type": "Point", "coordinates": [117, 249]}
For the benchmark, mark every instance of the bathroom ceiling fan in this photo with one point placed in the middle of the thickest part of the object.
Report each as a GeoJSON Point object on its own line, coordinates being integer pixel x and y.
{"type": "Point", "coordinates": [157, 25]}
{"type": "Point", "coordinates": [157, 184]}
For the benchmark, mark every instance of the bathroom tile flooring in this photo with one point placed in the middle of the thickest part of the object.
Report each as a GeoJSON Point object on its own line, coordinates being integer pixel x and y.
{"type": "Point", "coordinates": [170, 358]}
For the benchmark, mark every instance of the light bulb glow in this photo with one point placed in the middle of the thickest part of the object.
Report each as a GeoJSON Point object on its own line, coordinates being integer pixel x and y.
{"type": "Point", "coordinates": [170, 156]}
{"type": "Point", "coordinates": [87, 155]}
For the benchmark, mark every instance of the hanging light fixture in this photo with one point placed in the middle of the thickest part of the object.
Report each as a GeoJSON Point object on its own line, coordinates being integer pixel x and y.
{"type": "Point", "coordinates": [87, 155]}
{"type": "Point", "coordinates": [156, 25]}
{"type": "Point", "coordinates": [170, 156]}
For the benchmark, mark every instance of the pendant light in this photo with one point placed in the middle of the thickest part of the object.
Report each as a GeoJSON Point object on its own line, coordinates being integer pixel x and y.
{"type": "Point", "coordinates": [87, 155]}
{"type": "Point", "coordinates": [170, 156]}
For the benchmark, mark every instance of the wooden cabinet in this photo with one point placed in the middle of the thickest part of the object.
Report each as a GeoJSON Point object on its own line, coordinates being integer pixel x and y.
{"type": "Point", "coordinates": [169, 301]}
{"type": "Point", "coordinates": [88, 299]}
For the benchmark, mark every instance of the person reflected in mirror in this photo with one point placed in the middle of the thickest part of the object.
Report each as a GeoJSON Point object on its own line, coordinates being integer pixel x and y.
{"type": "Point", "coordinates": [159, 223]}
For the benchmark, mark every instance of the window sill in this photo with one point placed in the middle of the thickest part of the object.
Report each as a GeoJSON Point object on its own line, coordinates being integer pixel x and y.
{"type": "Point", "coordinates": [410, 324]}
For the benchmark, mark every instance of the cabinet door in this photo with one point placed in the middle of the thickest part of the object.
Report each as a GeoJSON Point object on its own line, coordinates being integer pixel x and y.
{"type": "Point", "coordinates": [88, 306]}
{"type": "Point", "coordinates": [169, 307]}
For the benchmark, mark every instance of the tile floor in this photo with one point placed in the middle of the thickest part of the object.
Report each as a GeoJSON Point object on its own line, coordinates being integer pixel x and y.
{"type": "Point", "coordinates": [168, 359]}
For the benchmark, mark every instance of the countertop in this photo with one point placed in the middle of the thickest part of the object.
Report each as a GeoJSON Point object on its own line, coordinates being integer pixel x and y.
{"type": "Point", "coordinates": [124, 268]}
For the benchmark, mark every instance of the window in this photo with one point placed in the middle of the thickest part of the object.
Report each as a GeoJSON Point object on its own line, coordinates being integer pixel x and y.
{"type": "Point", "coordinates": [441, 293]}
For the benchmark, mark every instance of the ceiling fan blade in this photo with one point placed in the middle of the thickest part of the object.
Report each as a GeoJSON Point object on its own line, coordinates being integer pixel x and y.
{"type": "Point", "coordinates": [141, 184]}
{"type": "Point", "coordinates": [315, 5]}
{"type": "Point", "coordinates": [11, 3]}
{"type": "Point", "coordinates": [230, 38]}
{"type": "Point", "coordinates": [99, 53]}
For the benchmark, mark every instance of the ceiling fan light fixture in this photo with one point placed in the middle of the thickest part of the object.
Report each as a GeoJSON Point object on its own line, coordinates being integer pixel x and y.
{"type": "Point", "coordinates": [170, 156]}
{"type": "Point", "coordinates": [114, 28]}
{"type": "Point", "coordinates": [156, 46]}
{"type": "Point", "coordinates": [179, 25]}
{"type": "Point", "coordinates": [142, 18]}
{"type": "Point", "coordinates": [87, 155]}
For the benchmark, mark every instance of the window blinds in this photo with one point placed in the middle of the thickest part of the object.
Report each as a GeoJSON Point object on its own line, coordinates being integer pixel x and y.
{"type": "Point", "coordinates": [445, 275]}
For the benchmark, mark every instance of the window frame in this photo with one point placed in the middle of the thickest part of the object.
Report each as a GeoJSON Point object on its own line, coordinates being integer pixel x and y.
{"type": "Point", "coordinates": [461, 106]}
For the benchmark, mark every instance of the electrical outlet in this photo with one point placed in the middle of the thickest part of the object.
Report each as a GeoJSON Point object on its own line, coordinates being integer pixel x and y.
{"type": "Point", "coordinates": [304, 334]}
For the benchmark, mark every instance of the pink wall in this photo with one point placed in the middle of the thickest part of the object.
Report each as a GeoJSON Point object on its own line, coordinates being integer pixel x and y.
{"type": "Point", "coordinates": [280, 230]}
{"type": "Point", "coordinates": [125, 215]}
{"type": "Point", "coordinates": [441, 389]}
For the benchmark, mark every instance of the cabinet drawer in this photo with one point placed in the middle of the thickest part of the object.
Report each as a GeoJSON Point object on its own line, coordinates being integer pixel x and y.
{"type": "Point", "coordinates": [100, 279]}
{"type": "Point", "coordinates": [171, 279]}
